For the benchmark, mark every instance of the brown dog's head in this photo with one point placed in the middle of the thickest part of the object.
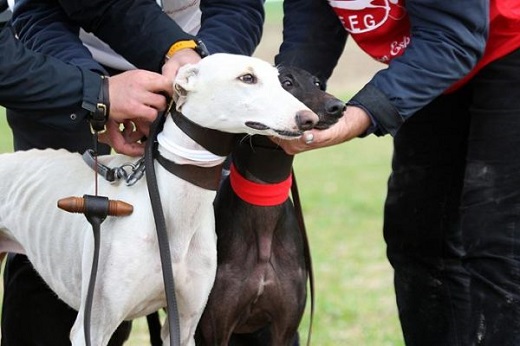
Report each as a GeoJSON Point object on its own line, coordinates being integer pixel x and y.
{"type": "Point", "coordinates": [309, 90]}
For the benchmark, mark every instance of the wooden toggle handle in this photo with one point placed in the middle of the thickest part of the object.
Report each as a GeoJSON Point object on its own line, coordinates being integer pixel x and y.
{"type": "Point", "coordinates": [77, 205]}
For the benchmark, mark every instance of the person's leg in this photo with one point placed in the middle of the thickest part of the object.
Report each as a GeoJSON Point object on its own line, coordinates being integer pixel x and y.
{"type": "Point", "coordinates": [422, 228]}
{"type": "Point", "coordinates": [32, 315]}
{"type": "Point", "coordinates": [28, 300]}
{"type": "Point", "coordinates": [491, 204]}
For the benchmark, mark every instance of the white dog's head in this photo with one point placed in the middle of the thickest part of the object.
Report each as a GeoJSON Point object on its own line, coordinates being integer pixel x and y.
{"type": "Point", "coordinates": [240, 94]}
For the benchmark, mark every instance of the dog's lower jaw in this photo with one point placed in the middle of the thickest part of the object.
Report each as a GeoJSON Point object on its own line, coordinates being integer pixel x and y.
{"type": "Point", "coordinates": [283, 134]}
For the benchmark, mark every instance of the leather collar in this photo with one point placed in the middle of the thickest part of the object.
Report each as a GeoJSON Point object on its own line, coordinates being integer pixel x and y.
{"type": "Point", "coordinates": [218, 142]}
{"type": "Point", "coordinates": [205, 177]}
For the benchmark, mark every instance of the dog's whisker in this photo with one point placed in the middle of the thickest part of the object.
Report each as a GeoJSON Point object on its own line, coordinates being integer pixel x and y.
{"type": "Point", "coordinates": [245, 137]}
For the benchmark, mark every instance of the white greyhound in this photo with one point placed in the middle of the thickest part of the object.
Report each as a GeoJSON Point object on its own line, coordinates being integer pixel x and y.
{"type": "Point", "coordinates": [230, 93]}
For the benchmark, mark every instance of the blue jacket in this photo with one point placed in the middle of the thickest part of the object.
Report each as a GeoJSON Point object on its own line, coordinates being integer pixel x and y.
{"type": "Point", "coordinates": [137, 29]}
{"type": "Point", "coordinates": [31, 81]}
{"type": "Point", "coordinates": [448, 38]}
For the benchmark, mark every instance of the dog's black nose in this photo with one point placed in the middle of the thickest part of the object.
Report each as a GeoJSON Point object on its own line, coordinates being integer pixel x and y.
{"type": "Point", "coordinates": [335, 108]}
{"type": "Point", "coordinates": [305, 120]}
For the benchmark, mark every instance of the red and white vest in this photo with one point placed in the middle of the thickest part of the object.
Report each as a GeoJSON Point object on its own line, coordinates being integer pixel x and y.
{"type": "Point", "coordinates": [382, 28]}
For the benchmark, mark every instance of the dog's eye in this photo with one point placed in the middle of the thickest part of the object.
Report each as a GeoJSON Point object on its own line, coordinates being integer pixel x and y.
{"type": "Point", "coordinates": [319, 85]}
{"type": "Point", "coordinates": [248, 78]}
{"type": "Point", "coordinates": [286, 84]}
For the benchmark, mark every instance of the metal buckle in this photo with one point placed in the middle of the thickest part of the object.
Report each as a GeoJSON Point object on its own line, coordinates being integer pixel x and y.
{"type": "Point", "coordinates": [98, 119]}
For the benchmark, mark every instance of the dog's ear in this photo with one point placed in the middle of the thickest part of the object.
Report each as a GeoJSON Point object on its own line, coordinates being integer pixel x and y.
{"type": "Point", "coordinates": [184, 83]}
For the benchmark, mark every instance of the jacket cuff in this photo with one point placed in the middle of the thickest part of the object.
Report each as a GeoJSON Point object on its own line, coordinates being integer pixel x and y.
{"type": "Point", "coordinates": [91, 88]}
{"type": "Point", "coordinates": [380, 109]}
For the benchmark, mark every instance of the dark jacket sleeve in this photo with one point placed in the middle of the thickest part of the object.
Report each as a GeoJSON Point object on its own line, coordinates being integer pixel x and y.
{"type": "Point", "coordinates": [447, 39]}
{"type": "Point", "coordinates": [231, 26]}
{"type": "Point", "coordinates": [44, 27]}
{"type": "Point", "coordinates": [137, 29]}
{"type": "Point", "coordinates": [35, 82]}
{"type": "Point", "coordinates": [313, 37]}
{"type": "Point", "coordinates": [141, 32]}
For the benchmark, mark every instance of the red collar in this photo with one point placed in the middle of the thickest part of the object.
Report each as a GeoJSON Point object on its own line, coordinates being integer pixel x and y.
{"type": "Point", "coordinates": [259, 194]}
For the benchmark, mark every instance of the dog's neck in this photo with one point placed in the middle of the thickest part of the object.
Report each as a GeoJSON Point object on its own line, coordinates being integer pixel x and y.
{"type": "Point", "coordinates": [175, 145]}
{"type": "Point", "coordinates": [261, 173]}
{"type": "Point", "coordinates": [262, 161]}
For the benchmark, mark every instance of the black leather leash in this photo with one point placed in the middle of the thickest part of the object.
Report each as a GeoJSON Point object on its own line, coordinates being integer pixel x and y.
{"type": "Point", "coordinates": [217, 142]}
{"type": "Point", "coordinates": [306, 247]}
{"type": "Point", "coordinates": [162, 233]}
{"type": "Point", "coordinates": [138, 169]}
{"type": "Point", "coordinates": [96, 209]}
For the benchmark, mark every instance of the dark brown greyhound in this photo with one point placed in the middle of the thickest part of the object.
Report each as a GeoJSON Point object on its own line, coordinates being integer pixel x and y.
{"type": "Point", "coordinates": [260, 290]}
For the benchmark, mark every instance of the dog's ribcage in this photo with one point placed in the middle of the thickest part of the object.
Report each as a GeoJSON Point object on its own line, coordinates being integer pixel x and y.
{"type": "Point", "coordinates": [32, 182]}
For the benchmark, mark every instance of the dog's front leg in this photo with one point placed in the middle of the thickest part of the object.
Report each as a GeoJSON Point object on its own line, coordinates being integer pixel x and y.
{"type": "Point", "coordinates": [99, 334]}
{"type": "Point", "coordinates": [195, 275]}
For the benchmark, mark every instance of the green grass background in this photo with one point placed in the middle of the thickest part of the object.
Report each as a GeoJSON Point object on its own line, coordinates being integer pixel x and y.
{"type": "Point", "coordinates": [342, 191]}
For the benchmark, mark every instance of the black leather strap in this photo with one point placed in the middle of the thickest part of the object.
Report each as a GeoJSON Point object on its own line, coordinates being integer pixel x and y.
{"type": "Point", "coordinates": [105, 171]}
{"type": "Point", "coordinates": [217, 142]}
{"type": "Point", "coordinates": [98, 118]}
{"type": "Point", "coordinates": [162, 234]}
{"type": "Point", "coordinates": [206, 177]}
{"type": "Point", "coordinates": [306, 250]}
{"type": "Point", "coordinates": [96, 210]}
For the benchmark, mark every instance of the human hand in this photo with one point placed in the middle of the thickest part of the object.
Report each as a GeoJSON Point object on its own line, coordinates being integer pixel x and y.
{"type": "Point", "coordinates": [180, 58]}
{"type": "Point", "coordinates": [354, 122]}
{"type": "Point", "coordinates": [136, 98]}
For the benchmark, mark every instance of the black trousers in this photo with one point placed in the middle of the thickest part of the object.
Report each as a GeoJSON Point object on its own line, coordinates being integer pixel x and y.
{"type": "Point", "coordinates": [452, 214]}
{"type": "Point", "coordinates": [32, 314]}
